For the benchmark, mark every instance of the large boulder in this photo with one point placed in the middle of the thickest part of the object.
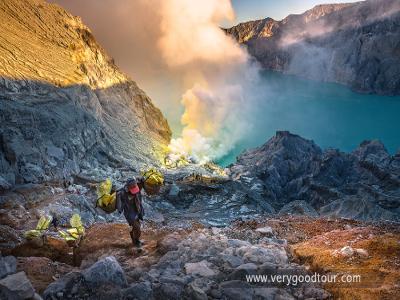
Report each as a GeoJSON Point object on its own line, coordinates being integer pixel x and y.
{"type": "Point", "coordinates": [199, 268]}
{"type": "Point", "coordinates": [16, 286]}
{"type": "Point", "coordinates": [8, 265]}
{"type": "Point", "coordinates": [104, 279]}
{"type": "Point", "coordinates": [373, 152]}
{"type": "Point", "coordinates": [139, 291]}
{"type": "Point", "coordinates": [105, 272]}
{"type": "Point", "coordinates": [71, 284]}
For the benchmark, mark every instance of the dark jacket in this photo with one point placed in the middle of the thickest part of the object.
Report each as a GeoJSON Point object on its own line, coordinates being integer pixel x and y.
{"type": "Point", "coordinates": [130, 204]}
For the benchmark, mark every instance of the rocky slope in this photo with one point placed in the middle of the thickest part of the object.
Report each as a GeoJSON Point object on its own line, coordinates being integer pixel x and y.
{"type": "Point", "coordinates": [211, 263]}
{"type": "Point", "coordinates": [284, 208]}
{"type": "Point", "coordinates": [65, 106]}
{"type": "Point", "coordinates": [295, 176]}
{"type": "Point", "coordinates": [356, 44]}
{"type": "Point", "coordinates": [192, 263]}
{"type": "Point", "coordinates": [287, 175]}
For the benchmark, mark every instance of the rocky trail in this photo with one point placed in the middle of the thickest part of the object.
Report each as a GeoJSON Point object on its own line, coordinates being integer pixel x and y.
{"type": "Point", "coordinates": [209, 228]}
{"type": "Point", "coordinates": [187, 254]}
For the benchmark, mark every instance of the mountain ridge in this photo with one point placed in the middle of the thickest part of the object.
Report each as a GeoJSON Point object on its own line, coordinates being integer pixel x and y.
{"type": "Point", "coordinates": [354, 44]}
{"type": "Point", "coordinates": [312, 14]}
{"type": "Point", "coordinates": [294, 174]}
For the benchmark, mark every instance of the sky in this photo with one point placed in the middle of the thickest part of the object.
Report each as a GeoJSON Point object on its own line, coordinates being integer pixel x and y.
{"type": "Point", "coordinates": [258, 9]}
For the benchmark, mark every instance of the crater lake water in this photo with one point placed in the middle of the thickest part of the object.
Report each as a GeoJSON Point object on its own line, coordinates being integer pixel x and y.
{"type": "Point", "coordinates": [331, 115]}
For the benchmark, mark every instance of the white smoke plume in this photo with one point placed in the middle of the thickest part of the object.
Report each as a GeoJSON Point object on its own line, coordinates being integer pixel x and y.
{"type": "Point", "coordinates": [219, 73]}
{"type": "Point", "coordinates": [184, 47]}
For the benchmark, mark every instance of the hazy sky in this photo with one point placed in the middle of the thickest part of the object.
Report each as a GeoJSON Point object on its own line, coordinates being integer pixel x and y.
{"type": "Point", "coordinates": [257, 9]}
{"type": "Point", "coordinates": [130, 32]}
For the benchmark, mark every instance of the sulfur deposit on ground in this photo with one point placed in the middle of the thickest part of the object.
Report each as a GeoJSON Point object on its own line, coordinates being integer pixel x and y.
{"type": "Point", "coordinates": [365, 250]}
{"type": "Point", "coordinates": [343, 247]}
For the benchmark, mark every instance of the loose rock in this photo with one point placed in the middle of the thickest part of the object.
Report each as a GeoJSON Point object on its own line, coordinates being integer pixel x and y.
{"type": "Point", "coordinates": [16, 286]}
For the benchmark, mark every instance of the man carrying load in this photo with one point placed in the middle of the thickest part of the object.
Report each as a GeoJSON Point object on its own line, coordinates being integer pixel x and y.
{"type": "Point", "coordinates": [129, 201]}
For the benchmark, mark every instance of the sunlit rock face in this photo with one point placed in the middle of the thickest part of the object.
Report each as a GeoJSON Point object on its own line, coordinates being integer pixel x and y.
{"type": "Point", "coordinates": [355, 44]}
{"type": "Point", "coordinates": [65, 106]}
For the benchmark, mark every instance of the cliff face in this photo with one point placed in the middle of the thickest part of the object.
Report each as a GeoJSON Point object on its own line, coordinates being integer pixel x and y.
{"type": "Point", "coordinates": [64, 105]}
{"type": "Point", "coordinates": [355, 44]}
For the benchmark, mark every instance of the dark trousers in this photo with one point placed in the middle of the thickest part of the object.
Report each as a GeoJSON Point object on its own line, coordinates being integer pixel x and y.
{"type": "Point", "coordinates": [135, 232]}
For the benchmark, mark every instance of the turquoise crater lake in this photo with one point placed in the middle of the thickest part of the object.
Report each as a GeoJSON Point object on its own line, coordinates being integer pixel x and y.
{"type": "Point", "coordinates": [330, 114]}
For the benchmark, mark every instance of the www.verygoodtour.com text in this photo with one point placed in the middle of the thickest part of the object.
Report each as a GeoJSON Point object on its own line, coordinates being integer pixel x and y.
{"type": "Point", "coordinates": [295, 279]}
